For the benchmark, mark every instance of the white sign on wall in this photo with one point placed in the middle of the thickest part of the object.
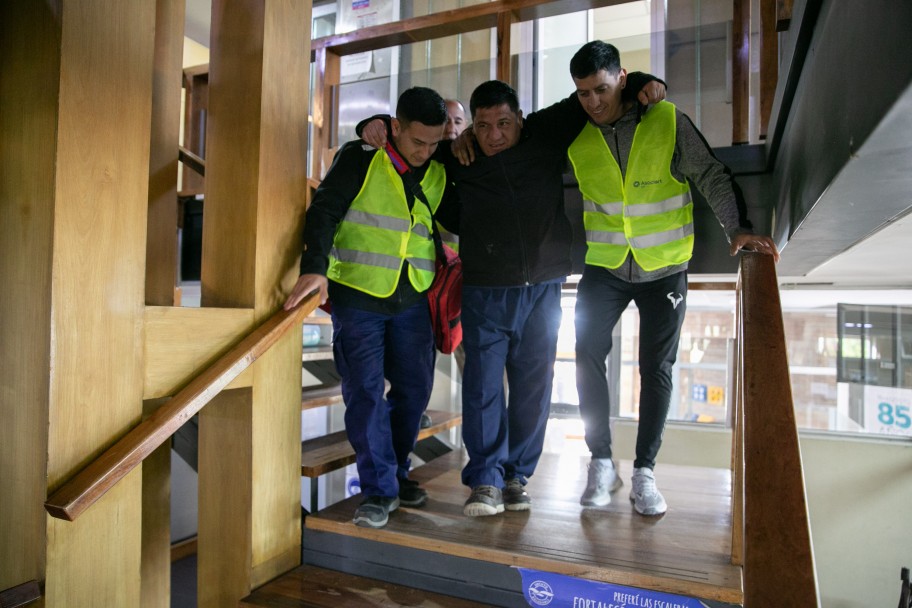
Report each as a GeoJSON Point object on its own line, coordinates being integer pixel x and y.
{"type": "Point", "coordinates": [888, 411]}
{"type": "Point", "coordinates": [357, 64]}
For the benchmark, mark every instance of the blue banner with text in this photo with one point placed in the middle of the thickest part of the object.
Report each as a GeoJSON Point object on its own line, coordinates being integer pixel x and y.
{"type": "Point", "coordinates": [559, 591]}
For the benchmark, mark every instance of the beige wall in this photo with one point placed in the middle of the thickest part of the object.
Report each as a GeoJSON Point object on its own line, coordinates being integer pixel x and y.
{"type": "Point", "coordinates": [858, 492]}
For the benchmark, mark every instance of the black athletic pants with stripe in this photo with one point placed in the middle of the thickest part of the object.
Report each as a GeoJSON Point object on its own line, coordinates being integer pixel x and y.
{"type": "Point", "coordinates": [601, 299]}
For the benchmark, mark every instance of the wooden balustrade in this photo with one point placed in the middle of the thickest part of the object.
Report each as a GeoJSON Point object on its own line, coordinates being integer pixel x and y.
{"type": "Point", "coordinates": [768, 481]}
{"type": "Point", "coordinates": [90, 484]}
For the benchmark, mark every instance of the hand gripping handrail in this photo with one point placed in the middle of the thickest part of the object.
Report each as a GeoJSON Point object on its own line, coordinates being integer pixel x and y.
{"type": "Point", "coordinates": [99, 476]}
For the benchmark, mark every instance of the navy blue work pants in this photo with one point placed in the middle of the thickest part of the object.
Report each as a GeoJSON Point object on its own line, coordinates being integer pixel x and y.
{"type": "Point", "coordinates": [512, 329]}
{"type": "Point", "coordinates": [601, 299]}
{"type": "Point", "coordinates": [382, 429]}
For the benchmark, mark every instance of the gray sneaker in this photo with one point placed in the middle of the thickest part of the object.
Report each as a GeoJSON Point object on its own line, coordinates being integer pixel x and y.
{"type": "Point", "coordinates": [484, 500]}
{"type": "Point", "coordinates": [515, 496]}
{"type": "Point", "coordinates": [647, 499]}
{"type": "Point", "coordinates": [603, 480]}
{"type": "Point", "coordinates": [374, 511]}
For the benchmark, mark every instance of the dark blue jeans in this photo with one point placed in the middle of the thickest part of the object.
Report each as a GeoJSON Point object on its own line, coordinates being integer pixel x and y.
{"type": "Point", "coordinates": [369, 347]}
{"type": "Point", "coordinates": [512, 329]}
{"type": "Point", "coordinates": [601, 299]}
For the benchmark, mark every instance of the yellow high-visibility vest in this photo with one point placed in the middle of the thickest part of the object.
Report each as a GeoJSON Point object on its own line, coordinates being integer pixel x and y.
{"type": "Point", "coordinates": [647, 211]}
{"type": "Point", "coordinates": [379, 232]}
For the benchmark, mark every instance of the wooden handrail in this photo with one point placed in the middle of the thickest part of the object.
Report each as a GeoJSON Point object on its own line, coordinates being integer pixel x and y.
{"type": "Point", "coordinates": [99, 476]}
{"type": "Point", "coordinates": [778, 555]}
{"type": "Point", "coordinates": [20, 595]}
{"type": "Point", "coordinates": [191, 160]}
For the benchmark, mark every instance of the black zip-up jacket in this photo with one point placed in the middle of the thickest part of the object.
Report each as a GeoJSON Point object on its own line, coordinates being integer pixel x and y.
{"type": "Point", "coordinates": [510, 212]}
{"type": "Point", "coordinates": [509, 215]}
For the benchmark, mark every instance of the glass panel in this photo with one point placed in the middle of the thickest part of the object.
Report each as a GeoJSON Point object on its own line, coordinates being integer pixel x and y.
{"type": "Point", "coordinates": [874, 393]}
{"type": "Point", "coordinates": [452, 66]}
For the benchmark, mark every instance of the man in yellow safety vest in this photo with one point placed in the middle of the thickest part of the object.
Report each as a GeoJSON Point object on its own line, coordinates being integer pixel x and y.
{"type": "Point", "coordinates": [368, 246]}
{"type": "Point", "coordinates": [633, 173]}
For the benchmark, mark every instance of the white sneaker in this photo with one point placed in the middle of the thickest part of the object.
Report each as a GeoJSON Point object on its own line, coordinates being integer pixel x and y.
{"type": "Point", "coordinates": [603, 480]}
{"type": "Point", "coordinates": [647, 499]}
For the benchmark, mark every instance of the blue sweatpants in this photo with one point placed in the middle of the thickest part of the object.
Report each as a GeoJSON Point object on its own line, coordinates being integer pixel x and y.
{"type": "Point", "coordinates": [513, 329]}
{"type": "Point", "coordinates": [382, 429]}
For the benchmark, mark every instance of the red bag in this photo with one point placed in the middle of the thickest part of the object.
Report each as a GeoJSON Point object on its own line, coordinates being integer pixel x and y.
{"type": "Point", "coordinates": [445, 299]}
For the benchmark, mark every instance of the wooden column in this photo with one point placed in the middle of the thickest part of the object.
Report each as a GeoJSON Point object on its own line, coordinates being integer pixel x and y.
{"type": "Point", "coordinates": [161, 281]}
{"type": "Point", "coordinates": [741, 32]}
{"type": "Point", "coordinates": [504, 66]}
{"type": "Point", "coordinates": [77, 88]}
{"type": "Point", "coordinates": [161, 247]}
{"type": "Point", "coordinates": [250, 456]}
{"type": "Point", "coordinates": [327, 73]}
{"type": "Point", "coordinates": [769, 62]}
{"type": "Point", "coordinates": [29, 80]}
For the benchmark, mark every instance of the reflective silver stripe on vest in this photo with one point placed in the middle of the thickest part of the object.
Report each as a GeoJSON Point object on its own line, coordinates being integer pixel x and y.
{"type": "Point", "coordinates": [423, 264]}
{"type": "Point", "coordinates": [611, 238]}
{"type": "Point", "coordinates": [669, 204]}
{"type": "Point", "coordinates": [367, 259]}
{"type": "Point", "coordinates": [378, 221]}
{"type": "Point", "coordinates": [660, 238]}
{"type": "Point", "coordinates": [606, 208]}
{"type": "Point", "coordinates": [422, 231]}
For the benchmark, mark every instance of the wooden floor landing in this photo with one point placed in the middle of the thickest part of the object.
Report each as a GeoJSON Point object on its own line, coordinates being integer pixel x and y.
{"type": "Point", "coordinates": [687, 551]}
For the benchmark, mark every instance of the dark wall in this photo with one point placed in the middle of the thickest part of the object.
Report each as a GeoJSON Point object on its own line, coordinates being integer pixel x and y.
{"type": "Point", "coordinates": [844, 66]}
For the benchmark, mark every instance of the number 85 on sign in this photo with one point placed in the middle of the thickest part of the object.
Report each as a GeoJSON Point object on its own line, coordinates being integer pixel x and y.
{"type": "Point", "coordinates": [892, 419]}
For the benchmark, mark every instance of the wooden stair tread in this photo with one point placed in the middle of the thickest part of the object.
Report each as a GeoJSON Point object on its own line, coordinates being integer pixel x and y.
{"type": "Point", "coordinates": [320, 395]}
{"type": "Point", "coordinates": [330, 452]}
{"type": "Point", "coordinates": [687, 551]}
{"type": "Point", "coordinates": [313, 587]}
{"type": "Point", "coordinates": [24, 594]}
{"type": "Point", "coordinates": [317, 320]}
{"type": "Point", "coordinates": [313, 353]}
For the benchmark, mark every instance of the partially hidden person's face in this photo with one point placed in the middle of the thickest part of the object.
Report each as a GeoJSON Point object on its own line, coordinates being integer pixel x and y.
{"type": "Point", "coordinates": [416, 141]}
{"type": "Point", "coordinates": [497, 128]}
{"type": "Point", "coordinates": [600, 95]}
{"type": "Point", "coordinates": [456, 120]}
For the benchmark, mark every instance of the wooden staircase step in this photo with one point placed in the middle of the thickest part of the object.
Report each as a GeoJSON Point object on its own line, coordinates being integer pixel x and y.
{"type": "Point", "coordinates": [313, 587]}
{"type": "Point", "coordinates": [320, 395]}
{"type": "Point", "coordinates": [685, 552]}
{"type": "Point", "coordinates": [330, 452]}
{"type": "Point", "coordinates": [316, 353]}
{"type": "Point", "coordinates": [24, 594]}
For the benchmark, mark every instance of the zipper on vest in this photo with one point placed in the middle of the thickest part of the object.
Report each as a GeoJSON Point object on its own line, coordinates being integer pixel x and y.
{"type": "Point", "coordinates": [628, 261]}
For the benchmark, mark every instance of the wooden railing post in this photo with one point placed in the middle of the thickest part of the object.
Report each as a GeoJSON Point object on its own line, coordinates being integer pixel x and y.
{"type": "Point", "coordinates": [779, 565]}
{"type": "Point", "coordinates": [256, 177]}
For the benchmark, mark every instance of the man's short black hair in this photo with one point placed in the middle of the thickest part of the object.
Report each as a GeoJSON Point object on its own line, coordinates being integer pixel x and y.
{"type": "Point", "coordinates": [491, 94]}
{"type": "Point", "coordinates": [423, 105]}
{"type": "Point", "coordinates": [594, 56]}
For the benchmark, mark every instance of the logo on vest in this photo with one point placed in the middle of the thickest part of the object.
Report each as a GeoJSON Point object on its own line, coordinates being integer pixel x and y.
{"type": "Point", "coordinates": [675, 300]}
{"type": "Point", "coordinates": [649, 182]}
